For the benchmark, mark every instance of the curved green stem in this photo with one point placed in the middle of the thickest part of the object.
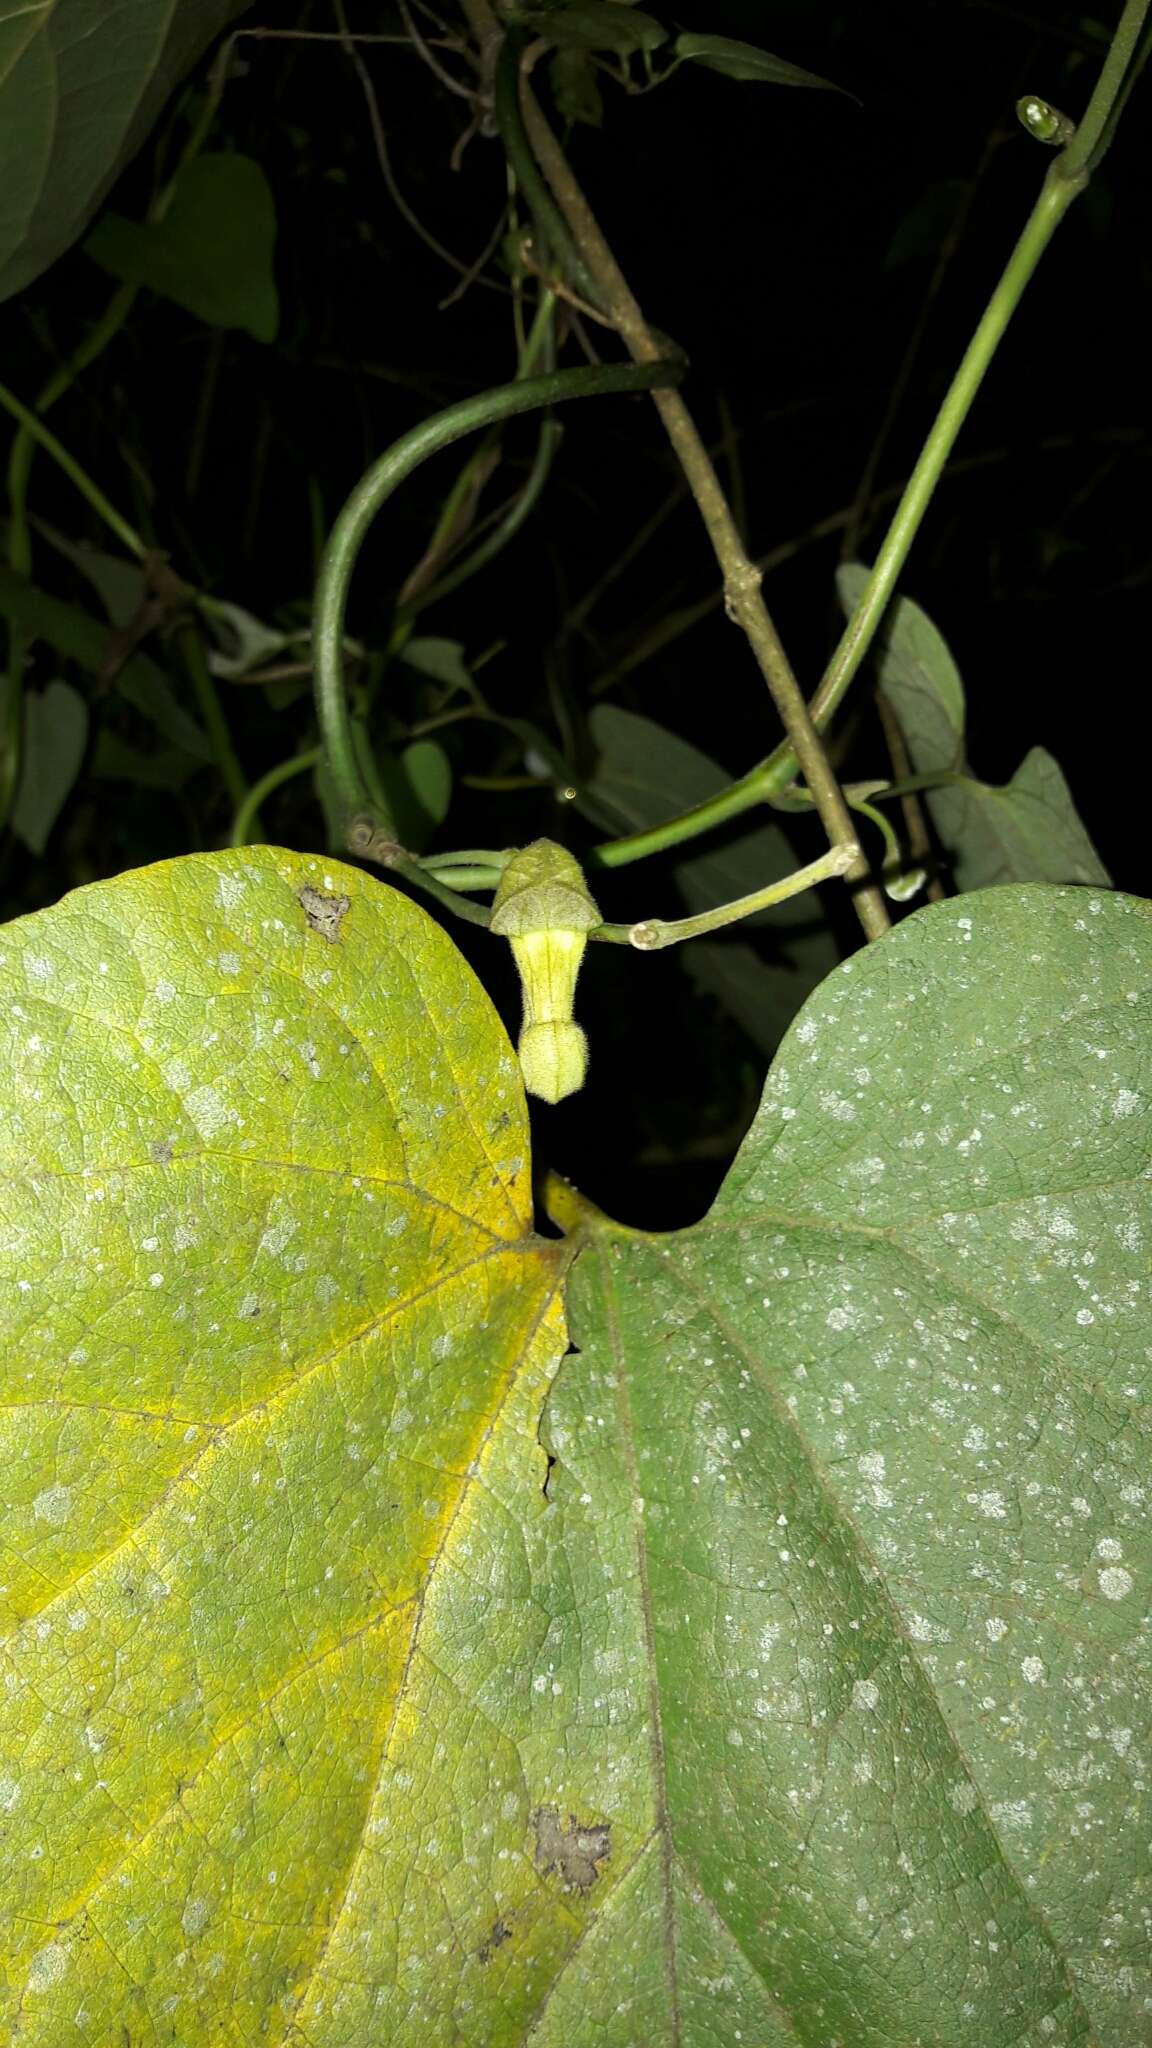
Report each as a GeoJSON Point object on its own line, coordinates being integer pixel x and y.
{"type": "Point", "coordinates": [246, 821]}
{"type": "Point", "coordinates": [537, 351]}
{"type": "Point", "coordinates": [215, 724]}
{"type": "Point", "coordinates": [373, 491]}
{"type": "Point", "coordinates": [24, 442]}
{"type": "Point", "coordinates": [550, 222]}
{"type": "Point", "coordinates": [102, 506]}
{"type": "Point", "coordinates": [1127, 53]}
{"type": "Point", "coordinates": [506, 527]}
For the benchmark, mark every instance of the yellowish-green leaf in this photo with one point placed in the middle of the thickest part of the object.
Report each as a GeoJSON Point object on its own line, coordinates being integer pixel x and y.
{"type": "Point", "coordinates": [275, 1337]}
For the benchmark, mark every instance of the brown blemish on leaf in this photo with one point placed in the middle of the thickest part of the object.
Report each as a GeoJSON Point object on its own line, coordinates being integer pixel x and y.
{"type": "Point", "coordinates": [325, 914]}
{"type": "Point", "coordinates": [499, 1933]}
{"type": "Point", "coordinates": [570, 1848]}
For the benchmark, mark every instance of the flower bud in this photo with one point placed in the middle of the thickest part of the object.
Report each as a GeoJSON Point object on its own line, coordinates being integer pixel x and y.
{"type": "Point", "coordinates": [543, 907]}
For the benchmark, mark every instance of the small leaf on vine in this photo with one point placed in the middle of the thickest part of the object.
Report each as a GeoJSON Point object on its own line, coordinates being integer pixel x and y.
{"type": "Point", "coordinates": [746, 61]}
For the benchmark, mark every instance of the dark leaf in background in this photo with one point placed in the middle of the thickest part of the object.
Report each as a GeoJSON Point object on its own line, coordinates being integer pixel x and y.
{"type": "Point", "coordinates": [55, 736]}
{"type": "Point", "coordinates": [212, 252]}
{"type": "Point", "coordinates": [80, 89]}
{"type": "Point", "coordinates": [645, 774]}
{"type": "Point", "coordinates": [1029, 830]}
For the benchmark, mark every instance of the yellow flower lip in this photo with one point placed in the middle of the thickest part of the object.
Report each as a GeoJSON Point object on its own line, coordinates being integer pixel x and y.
{"type": "Point", "coordinates": [545, 910]}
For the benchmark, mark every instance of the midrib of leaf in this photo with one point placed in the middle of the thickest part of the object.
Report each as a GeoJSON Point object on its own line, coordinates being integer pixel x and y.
{"type": "Point", "coordinates": [449, 1520]}
{"type": "Point", "coordinates": [836, 1509]}
{"type": "Point", "coordinates": [656, 1727]}
{"type": "Point", "coordinates": [242, 1161]}
{"type": "Point", "coordinates": [662, 1834]}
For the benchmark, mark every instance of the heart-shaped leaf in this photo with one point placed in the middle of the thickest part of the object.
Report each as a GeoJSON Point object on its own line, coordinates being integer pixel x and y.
{"type": "Point", "coordinates": [80, 87]}
{"type": "Point", "coordinates": [212, 252]}
{"type": "Point", "coordinates": [804, 1698]}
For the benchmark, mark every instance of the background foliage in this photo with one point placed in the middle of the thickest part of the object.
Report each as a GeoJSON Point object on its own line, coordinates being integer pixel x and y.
{"type": "Point", "coordinates": [794, 242]}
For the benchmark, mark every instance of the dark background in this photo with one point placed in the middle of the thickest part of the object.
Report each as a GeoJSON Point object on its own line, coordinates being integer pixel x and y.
{"type": "Point", "coordinates": [794, 243]}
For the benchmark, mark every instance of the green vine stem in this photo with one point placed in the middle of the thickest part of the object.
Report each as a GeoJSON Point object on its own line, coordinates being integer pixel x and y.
{"type": "Point", "coordinates": [25, 440]}
{"type": "Point", "coordinates": [1067, 176]}
{"type": "Point", "coordinates": [191, 650]}
{"type": "Point", "coordinates": [652, 934]}
{"type": "Point", "coordinates": [349, 771]}
{"type": "Point", "coordinates": [245, 824]}
{"type": "Point", "coordinates": [536, 351]}
{"type": "Point", "coordinates": [102, 506]}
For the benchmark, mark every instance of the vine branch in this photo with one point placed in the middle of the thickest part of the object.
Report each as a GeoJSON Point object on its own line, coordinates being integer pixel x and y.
{"type": "Point", "coordinates": [742, 596]}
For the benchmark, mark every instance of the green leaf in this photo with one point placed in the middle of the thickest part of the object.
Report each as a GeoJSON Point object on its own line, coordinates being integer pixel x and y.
{"type": "Point", "coordinates": [73, 632]}
{"type": "Point", "coordinates": [864, 1460]}
{"type": "Point", "coordinates": [575, 88]}
{"type": "Point", "coordinates": [429, 775]}
{"type": "Point", "coordinates": [747, 61]}
{"type": "Point", "coordinates": [804, 1698]}
{"type": "Point", "coordinates": [212, 252]}
{"type": "Point", "coordinates": [418, 785]}
{"type": "Point", "coordinates": [80, 87]}
{"type": "Point", "coordinates": [597, 25]}
{"type": "Point", "coordinates": [55, 736]}
{"type": "Point", "coordinates": [149, 692]}
{"type": "Point", "coordinates": [1027, 831]}
{"type": "Point", "coordinates": [120, 584]}
{"type": "Point", "coordinates": [443, 660]}
{"type": "Point", "coordinates": [243, 641]}
{"type": "Point", "coordinates": [645, 774]}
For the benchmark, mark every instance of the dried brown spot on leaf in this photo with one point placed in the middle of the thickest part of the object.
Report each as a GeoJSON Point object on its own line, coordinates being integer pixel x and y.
{"type": "Point", "coordinates": [325, 913]}
{"type": "Point", "coordinates": [498, 1934]}
{"type": "Point", "coordinates": [572, 1849]}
